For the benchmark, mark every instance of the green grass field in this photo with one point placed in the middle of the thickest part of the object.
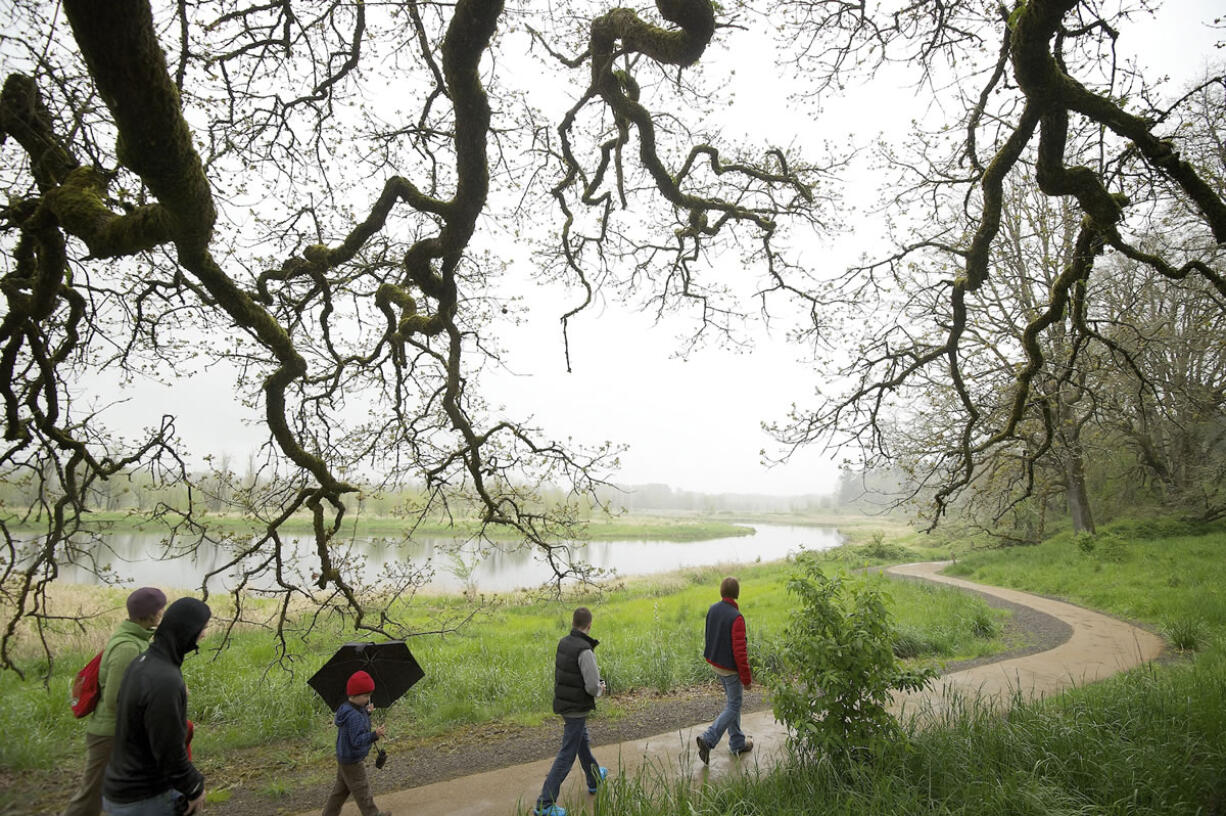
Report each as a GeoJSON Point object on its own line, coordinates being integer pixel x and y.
{"type": "Point", "coordinates": [1167, 574]}
{"type": "Point", "coordinates": [498, 667]}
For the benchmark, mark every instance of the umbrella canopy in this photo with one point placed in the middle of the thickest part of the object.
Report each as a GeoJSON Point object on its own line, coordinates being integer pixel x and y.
{"type": "Point", "coordinates": [390, 665]}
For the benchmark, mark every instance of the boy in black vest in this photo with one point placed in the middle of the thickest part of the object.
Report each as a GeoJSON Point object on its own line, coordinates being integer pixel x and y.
{"type": "Point", "coordinates": [576, 685]}
{"type": "Point", "coordinates": [728, 654]}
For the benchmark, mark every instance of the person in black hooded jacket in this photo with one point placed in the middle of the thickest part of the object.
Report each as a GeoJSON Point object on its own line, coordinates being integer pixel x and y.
{"type": "Point", "coordinates": [149, 773]}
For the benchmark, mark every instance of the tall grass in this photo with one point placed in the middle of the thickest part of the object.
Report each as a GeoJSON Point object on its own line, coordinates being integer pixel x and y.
{"type": "Point", "coordinates": [1148, 743]}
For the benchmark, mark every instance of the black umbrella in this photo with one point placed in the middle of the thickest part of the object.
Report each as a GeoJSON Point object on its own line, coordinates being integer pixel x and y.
{"type": "Point", "coordinates": [389, 664]}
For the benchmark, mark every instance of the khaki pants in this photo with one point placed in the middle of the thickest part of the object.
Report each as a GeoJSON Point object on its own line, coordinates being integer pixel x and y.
{"type": "Point", "coordinates": [88, 799]}
{"type": "Point", "coordinates": [351, 779]}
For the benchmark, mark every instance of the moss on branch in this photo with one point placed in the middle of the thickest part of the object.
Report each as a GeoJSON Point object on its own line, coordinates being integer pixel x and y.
{"type": "Point", "coordinates": [79, 207]}
{"type": "Point", "coordinates": [24, 117]}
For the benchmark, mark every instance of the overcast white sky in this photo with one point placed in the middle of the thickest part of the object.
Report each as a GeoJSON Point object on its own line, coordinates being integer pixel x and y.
{"type": "Point", "coordinates": [696, 424]}
{"type": "Point", "coordinates": [693, 424]}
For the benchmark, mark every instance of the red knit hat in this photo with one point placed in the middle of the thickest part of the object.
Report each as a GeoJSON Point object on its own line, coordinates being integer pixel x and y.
{"type": "Point", "coordinates": [359, 683]}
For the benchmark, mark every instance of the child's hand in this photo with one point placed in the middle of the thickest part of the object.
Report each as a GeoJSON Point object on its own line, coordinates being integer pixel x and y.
{"type": "Point", "coordinates": [380, 731]}
{"type": "Point", "coordinates": [370, 707]}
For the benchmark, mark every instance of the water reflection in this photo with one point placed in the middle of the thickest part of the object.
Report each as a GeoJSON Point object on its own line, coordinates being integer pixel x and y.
{"type": "Point", "coordinates": [139, 557]}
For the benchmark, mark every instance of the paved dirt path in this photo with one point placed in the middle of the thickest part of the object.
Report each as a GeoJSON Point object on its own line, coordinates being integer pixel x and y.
{"type": "Point", "coordinates": [1098, 647]}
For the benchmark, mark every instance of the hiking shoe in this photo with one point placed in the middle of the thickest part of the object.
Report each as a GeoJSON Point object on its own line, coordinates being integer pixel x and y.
{"type": "Point", "coordinates": [744, 749]}
{"type": "Point", "coordinates": [552, 810]}
{"type": "Point", "coordinates": [704, 751]}
{"type": "Point", "coordinates": [601, 773]}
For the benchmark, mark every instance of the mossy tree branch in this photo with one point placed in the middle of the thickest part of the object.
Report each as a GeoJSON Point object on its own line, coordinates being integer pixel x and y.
{"type": "Point", "coordinates": [1062, 126]}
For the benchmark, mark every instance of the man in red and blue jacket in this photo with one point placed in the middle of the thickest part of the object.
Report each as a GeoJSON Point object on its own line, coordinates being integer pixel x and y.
{"type": "Point", "coordinates": [728, 654]}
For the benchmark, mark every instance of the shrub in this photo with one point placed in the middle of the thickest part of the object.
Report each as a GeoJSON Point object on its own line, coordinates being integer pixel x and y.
{"type": "Point", "coordinates": [878, 548]}
{"type": "Point", "coordinates": [1187, 634]}
{"type": "Point", "coordinates": [837, 668]}
{"type": "Point", "coordinates": [1109, 546]}
{"type": "Point", "coordinates": [984, 625]}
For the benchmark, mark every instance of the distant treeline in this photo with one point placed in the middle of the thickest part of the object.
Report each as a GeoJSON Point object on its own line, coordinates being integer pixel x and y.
{"type": "Point", "coordinates": [662, 497]}
{"type": "Point", "coordinates": [223, 491]}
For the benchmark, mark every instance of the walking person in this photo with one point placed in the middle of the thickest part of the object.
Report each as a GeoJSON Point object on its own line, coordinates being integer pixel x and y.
{"type": "Point", "coordinates": [576, 685]}
{"type": "Point", "coordinates": [145, 607]}
{"type": "Point", "coordinates": [149, 773]}
{"type": "Point", "coordinates": [353, 740]}
{"type": "Point", "coordinates": [728, 653]}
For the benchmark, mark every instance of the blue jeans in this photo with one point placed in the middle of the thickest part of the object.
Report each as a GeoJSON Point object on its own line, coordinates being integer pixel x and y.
{"type": "Point", "coordinates": [574, 743]}
{"type": "Point", "coordinates": [161, 805]}
{"type": "Point", "coordinates": [730, 718]}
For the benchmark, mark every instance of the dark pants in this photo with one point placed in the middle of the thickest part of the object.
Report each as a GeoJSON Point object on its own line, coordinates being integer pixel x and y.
{"type": "Point", "coordinates": [88, 799]}
{"type": "Point", "coordinates": [351, 779]}
{"type": "Point", "coordinates": [574, 744]}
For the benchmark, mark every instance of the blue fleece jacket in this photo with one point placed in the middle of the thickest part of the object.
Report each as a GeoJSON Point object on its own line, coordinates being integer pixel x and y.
{"type": "Point", "coordinates": [353, 735]}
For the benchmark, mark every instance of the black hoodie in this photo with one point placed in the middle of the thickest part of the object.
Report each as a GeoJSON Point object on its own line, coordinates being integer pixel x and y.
{"type": "Point", "coordinates": [149, 755]}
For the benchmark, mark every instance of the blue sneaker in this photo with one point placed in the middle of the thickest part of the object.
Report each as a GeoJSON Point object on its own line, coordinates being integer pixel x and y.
{"type": "Point", "coordinates": [552, 810]}
{"type": "Point", "coordinates": [601, 773]}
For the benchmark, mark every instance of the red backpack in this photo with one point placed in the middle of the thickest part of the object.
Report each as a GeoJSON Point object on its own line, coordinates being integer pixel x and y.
{"type": "Point", "coordinates": [85, 691]}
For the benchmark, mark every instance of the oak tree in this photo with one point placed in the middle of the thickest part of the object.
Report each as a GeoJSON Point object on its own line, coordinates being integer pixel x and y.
{"type": "Point", "coordinates": [323, 194]}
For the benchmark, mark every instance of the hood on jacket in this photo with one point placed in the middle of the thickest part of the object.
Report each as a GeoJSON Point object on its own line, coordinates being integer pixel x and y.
{"type": "Point", "coordinates": [345, 711]}
{"type": "Point", "coordinates": [181, 625]}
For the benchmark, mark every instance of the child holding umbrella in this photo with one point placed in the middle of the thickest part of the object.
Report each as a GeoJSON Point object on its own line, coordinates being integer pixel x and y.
{"type": "Point", "coordinates": [353, 740]}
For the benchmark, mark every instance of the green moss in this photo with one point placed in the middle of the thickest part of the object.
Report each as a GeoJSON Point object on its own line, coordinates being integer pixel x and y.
{"type": "Point", "coordinates": [420, 324]}
{"type": "Point", "coordinates": [316, 254]}
{"type": "Point", "coordinates": [80, 208]}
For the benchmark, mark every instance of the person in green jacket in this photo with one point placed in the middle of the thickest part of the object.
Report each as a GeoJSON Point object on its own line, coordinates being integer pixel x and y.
{"type": "Point", "coordinates": [145, 607]}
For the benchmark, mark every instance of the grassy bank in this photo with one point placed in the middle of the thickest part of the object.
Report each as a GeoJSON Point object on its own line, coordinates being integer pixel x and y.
{"type": "Point", "coordinates": [599, 528]}
{"type": "Point", "coordinates": [1169, 574]}
{"type": "Point", "coordinates": [497, 668]}
{"type": "Point", "coordinates": [1150, 742]}
{"type": "Point", "coordinates": [856, 528]}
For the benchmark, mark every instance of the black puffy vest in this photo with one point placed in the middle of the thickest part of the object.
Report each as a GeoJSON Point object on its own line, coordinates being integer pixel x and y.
{"type": "Point", "coordinates": [720, 618]}
{"type": "Point", "coordinates": [569, 695]}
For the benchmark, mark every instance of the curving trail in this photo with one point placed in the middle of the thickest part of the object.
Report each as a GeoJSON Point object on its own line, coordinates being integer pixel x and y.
{"type": "Point", "coordinates": [1097, 647]}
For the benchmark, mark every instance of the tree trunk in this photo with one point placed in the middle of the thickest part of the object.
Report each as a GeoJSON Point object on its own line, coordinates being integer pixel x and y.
{"type": "Point", "coordinates": [1077, 496]}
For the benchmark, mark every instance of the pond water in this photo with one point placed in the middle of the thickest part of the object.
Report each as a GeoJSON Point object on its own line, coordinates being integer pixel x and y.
{"type": "Point", "coordinates": [139, 558]}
